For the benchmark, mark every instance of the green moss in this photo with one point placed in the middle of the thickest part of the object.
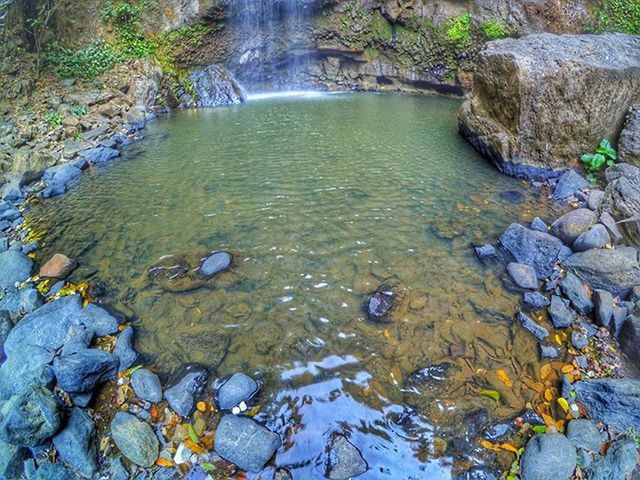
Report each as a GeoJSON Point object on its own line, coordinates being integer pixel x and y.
{"type": "Point", "coordinates": [495, 28]}
{"type": "Point", "coordinates": [171, 44]}
{"type": "Point", "coordinates": [618, 16]}
{"type": "Point", "coordinates": [380, 28]}
{"type": "Point", "coordinates": [458, 30]}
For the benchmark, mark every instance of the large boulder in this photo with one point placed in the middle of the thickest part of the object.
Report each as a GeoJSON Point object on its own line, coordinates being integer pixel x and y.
{"type": "Point", "coordinates": [214, 86]}
{"type": "Point", "coordinates": [572, 224]}
{"type": "Point", "coordinates": [546, 456]}
{"type": "Point", "coordinates": [613, 401]}
{"type": "Point", "coordinates": [76, 443]}
{"type": "Point", "coordinates": [15, 267]}
{"type": "Point", "coordinates": [616, 271]}
{"type": "Point", "coordinates": [622, 199]}
{"type": "Point", "coordinates": [12, 458]}
{"type": "Point", "coordinates": [540, 101]}
{"type": "Point", "coordinates": [83, 370]}
{"type": "Point", "coordinates": [531, 247]}
{"type": "Point", "coordinates": [29, 366]}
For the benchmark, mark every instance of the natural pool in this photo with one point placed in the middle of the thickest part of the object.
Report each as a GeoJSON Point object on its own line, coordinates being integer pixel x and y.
{"type": "Point", "coordinates": [321, 199]}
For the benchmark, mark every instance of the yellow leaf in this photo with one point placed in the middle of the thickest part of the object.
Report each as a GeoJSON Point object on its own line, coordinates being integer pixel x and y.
{"type": "Point", "coordinates": [563, 404]}
{"type": "Point", "coordinates": [491, 394]}
{"type": "Point", "coordinates": [163, 462]}
{"type": "Point", "coordinates": [548, 395]}
{"type": "Point", "coordinates": [201, 406]}
{"type": "Point", "coordinates": [502, 375]}
{"type": "Point", "coordinates": [568, 369]}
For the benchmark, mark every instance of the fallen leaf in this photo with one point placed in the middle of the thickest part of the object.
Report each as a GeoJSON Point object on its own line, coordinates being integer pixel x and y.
{"type": "Point", "coordinates": [502, 375]}
{"type": "Point", "coordinates": [491, 394]}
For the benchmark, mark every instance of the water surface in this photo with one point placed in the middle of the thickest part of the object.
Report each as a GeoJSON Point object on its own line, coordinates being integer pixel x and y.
{"type": "Point", "coordinates": [321, 200]}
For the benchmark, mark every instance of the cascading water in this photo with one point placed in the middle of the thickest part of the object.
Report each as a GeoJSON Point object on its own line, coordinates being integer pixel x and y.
{"type": "Point", "coordinates": [271, 42]}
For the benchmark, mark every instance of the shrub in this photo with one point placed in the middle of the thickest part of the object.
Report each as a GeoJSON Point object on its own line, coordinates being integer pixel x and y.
{"type": "Point", "coordinates": [618, 16]}
{"type": "Point", "coordinates": [604, 156]}
{"type": "Point", "coordinates": [495, 28]}
{"type": "Point", "coordinates": [458, 30]}
{"type": "Point", "coordinates": [53, 119]}
{"type": "Point", "coordinates": [86, 63]}
{"type": "Point", "coordinates": [130, 40]}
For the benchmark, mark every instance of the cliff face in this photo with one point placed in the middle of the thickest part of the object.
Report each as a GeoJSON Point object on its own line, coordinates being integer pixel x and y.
{"type": "Point", "coordinates": [361, 44]}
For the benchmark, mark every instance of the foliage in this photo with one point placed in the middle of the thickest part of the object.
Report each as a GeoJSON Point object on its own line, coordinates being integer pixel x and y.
{"type": "Point", "coordinates": [78, 110]}
{"type": "Point", "coordinates": [53, 119]}
{"type": "Point", "coordinates": [170, 44]}
{"type": "Point", "coordinates": [604, 156]}
{"type": "Point", "coordinates": [458, 30]}
{"type": "Point", "coordinates": [86, 63]}
{"type": "Point", "coordinates": [495, 28]}
{"type": "Point", "coordinates": [512, 474]}
{"type": "Point", "coordinates": [130, 39]}
{"type": "Point", "coordinates": [4, 8]}
{"type": "Point", "coordinates": [618, 16]}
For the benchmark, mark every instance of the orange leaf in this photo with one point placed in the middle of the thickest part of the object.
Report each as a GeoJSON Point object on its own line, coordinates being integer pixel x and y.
{"type": "Point", "coordinates": [201, 406]}
{"type": "Point", "coordinates": [508, 447]}
{"type": "Point", "coordinates": [163, 462]}
{"type": "Point", "coordinates": [194, 447]}
{"type": "Point", "coordinates": [548, 395]}
{"type": "Point", "coordinates": [502, 375]}
{"type": "Point", "coordinates": [545, 372]}
{"type": "Point", "coordinates": [568, 368]}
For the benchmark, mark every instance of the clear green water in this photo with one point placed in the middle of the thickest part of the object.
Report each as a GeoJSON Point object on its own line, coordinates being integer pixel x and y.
{"type": "Point", "coordinates": [320, 199]}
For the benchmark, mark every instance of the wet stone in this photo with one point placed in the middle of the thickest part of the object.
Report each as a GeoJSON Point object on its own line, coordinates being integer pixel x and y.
{"type": "Point", "coordinates": [124, 351]}
{"type": "Point", "coordinates": [568, 184]}
{"type": "Point", "coordinates": [478, 472]}
{"type": "Point", "coordinates": [59, 266]}
{"type": "Point", "coordinates": [603, 301]}
{"type": "Point", "coordinates": [15, 267]}
{"type": "Point", "coordinates": [523, 275]}
{"type": "Point", "coordinates": [539, 225]}
{"type": "Point", "coordinates": [344, 460]}
{"type": "Point", "coordinates": [532, 327]}
{"type": "Point", "coordinates": [548, 351]}
{"type": "Point", "coordinates": [83, 370]}
{"type": "Point", "coordinates": [547, 456]}
{"type": "Point", "coordinates": [620, 462]}
{"type": "Point", "coordinates": [430, 378]}
{"type": "Point", "coordinates": [215, 263]}
{"type": "Point", "coordinates": [146, 385]}
{"type": "Point", "coordinates": [579, 340]}
{"type": "Point", "coordinates": [570, 225]}
{"type": "Point", "coordinates": [239, 388]}
{"type": "Point", "coordinates": [536, 300]}
{"type": "Point", "coordinates": [596, 237]}
{"type": "Point", "coordinates": [561, 315]}
{"type": "Point", "coordinates": [485, 252]}
{"type": "Point", "coordinates": [135, 439]}
{"type": "Point", "coordinates": [576, 293]}
{"type": "Point", "coordinates": [241, 441]}
{"type": "Point", "coordinates": [379, 304]}
{"type": "Point", "coordinates": [584, 434]}
{"type": "Point", "coordinates": [181, 395]}
{"type": "Point", "coordinates": [76, 443]}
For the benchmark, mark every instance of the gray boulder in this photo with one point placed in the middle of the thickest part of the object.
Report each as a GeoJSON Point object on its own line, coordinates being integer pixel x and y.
{"type": "Point", "coordinates": [570, 225]}
{"type": "Point", "coordinates": [622, 199]}
{"type": "Point", "coordinates": [603, 301]}
{"type": "Point", "coordinates": [535, 300]}
{"type": "Point", "coordinates": [584, 435]}
{"type": "Point", "coordinates": [215, 263]}
{"type": "Point", "coordinates": [630, 338]}
{"type": "Point", "coordinates": [579, 340]}
{"type": "Point", "coordinates": [629, 141]}
{"type": "Point", "coordinates": [180, 396]}
{"type": "Point", "coordinates": [76, 443]}
{"type": "Point", "coordinates": [569, 183]}
{"type": "Point", "coordinates": [539, 225]}
{"type": "Point", "coordinates": [575, 292]}
{"type": "Point", "coordinates": [15, 267]}
{"type": "Point", "coordinates": [29, 366]}
{"type": "Point", "coordinates": [99, 154]}
{"type": "Point", "coordinates": [536, 249]}
{"type": "Point", "coordinates": [561, 315]}
{"type": "Point", "coordinates": [83, 370]}
{"type": "Point", "coordinates": [214, 86]}
{"type": "Point", "coordinates": [619, 463]}
{"type": "Point", "coordinates": [31, 418]}
{"type": "Point", "coordinates": [344, 460]}
{"type": "Point", "coordinates": [613, 401]}
{"type": "Point", "coordinates": [243, 442]}
{"type": "Point", "coordinates": [616, 271]}
{"type": "Point", "coordinates": [8, 212]}
{"type": "Point", "coordinates": [52, 471]}
{"type": "Point", "coordinates": [547, 456]}
{"type": "Point", "coordinates": [12, 458]}
{"type": "Point", "coordinates": [124, 351]}
{"type": "Point", "coordinates": [596, 237]}
{"type": "Point", "coordinates": [238, 388]}
{"type": "Point", "coordinates": [58, 179]}
{"type": "Point", "coordinates": [541, 101]}
{"type": "Point", "coordinates": [135, 439]}
{"type": "Point", "coordinates": [595, 199]}
{"type": "Point", "coordinates": [47, 326]}
{"type": "Point", "coordinates": [523, 275]}
{"type": "Point", "coordinates": [146, 385]}
{"type": "Point", "coordinates": [548, 351]}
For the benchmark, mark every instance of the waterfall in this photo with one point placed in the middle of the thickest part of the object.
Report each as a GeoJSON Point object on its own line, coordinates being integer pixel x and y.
{"type": "Point", "coordinates": [270, 41]}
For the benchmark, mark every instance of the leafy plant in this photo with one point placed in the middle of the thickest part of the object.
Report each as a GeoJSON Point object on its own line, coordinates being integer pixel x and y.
{"type": "Point", "coordinates": [618, 16]}
{"type": "Point", "coordinates": [512, 474]}
{"type": "Point", "coordinates": [495, 28]}
{"type": "Point", "coordinates": [604, 156]}
{"type": "Point", "coordinates": [53, 119]}
{"type": "Point", "coordinates": [458, 30]}
{"type": "Point", "coordinates": [78, 110]}
{"type": "Point", "coordinates": [130, 39]}
{"type": "Point", "coordinates": [86, 63]}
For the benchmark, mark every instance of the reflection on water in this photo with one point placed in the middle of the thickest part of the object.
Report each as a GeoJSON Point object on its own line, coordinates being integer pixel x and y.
{"type": "Point", "coordinates": [321, 200]}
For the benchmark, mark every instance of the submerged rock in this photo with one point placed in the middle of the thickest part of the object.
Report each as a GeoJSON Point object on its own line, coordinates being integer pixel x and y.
{"type": "Point", "coordinates": [521, 114]}
{"type": "Point", "coordinates": [484, 252]}
{"type": "Point", "coordinates": [522, 275]}
{"type": "Point", "coordinates": [15, 267]}
{"type": "Point", "coordinates": [535, 300]}
{"type": "Point", "coordinates": [59, 266]}
{"type": "Point", "coordinates": [135, 439]}
{"type": "Point", "coordinates": [379, 304]}
{"type": "Point", "coordinates": [241, 441]}
{"type": "Point", "coordinates": [561, 315]}
{"type": "Point", "coordinates": [30, 418]}
{"type": "Point", "coordinates": [536, 249]}
{"type": "Point", "coordinates": [180, 396]}
{"type": "Point", "coordinates": [616, 271]}
{"type": "Point", "coordinates": [532, 327]}
{"type": "Point", "coordinates": [547, 456]}
{"type": "Point", "coordinates": [239, 388]}
{"type": "Point", "coordinates": [215, 263]}
{"type": "Point", "coordinates": [344, 460]}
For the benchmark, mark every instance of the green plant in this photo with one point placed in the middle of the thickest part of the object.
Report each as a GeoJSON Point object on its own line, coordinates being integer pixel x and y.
{"type": "Point", "coordinates": [53, 119]}
{"type": "Point", "coordinates": [618, 16]}
{"type": "Point", "coordinates": [458, 30]}
{"type": "Point", "coordinates": [512, 474]}
{"type": "Point", "coordinates": [78, 110]}
{"type": "Point", "coordinates": [86, 63]}
{"type": "Point", "coordinates": [130, 39]}
{"type": "Point", "coordinates": [495, 28]}
{"type": "Point", "coordinates": [604, 156]}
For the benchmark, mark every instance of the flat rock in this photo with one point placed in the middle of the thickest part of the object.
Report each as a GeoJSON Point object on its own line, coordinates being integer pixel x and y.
{"type": "Point", "coordinates": [241, 441]}
{"type": "Point", "coordinates": [76, 443]}
{"type": "Point", "coordinates": [239, 388]}
{"type": "Point", "coordinates": [616, 271]}
{"type": "Point", "coordinates": [570, 225]}
{"type": "Point", "coordinates": [576, 293]}
{"type": "Point", "coordinates": [548, 351]}
{"type": "Point", "coordinates": [100, 154]}
{"type": "Point", "coordinates": [536, 300]}
{"type": "Point", "coordinates": [146, 385]}
{"type": "Point", "coordinates": [523, 275]}
{"type": "Point", "coordinates": [613, 401]}
{"type": "Point", "coordinates": [15, 267]}
{"type": "Point", "coordinates": [82, 371]}
{"type": "Point", "coordinates": [31, 418]}
{"type": "Point", "coordinates": [59, 266]}
{"type": "Point", "coordinates": [135, 439]}
{"type": "Point", "coordinates": [548, 456]}
{"type": "Point", "coordinates": [536, 249]}
{"type": "Point", "coordinates": [596, 237]}
{"type": "Point", "coordinates": [344, 460]}
{"type": "Point", "coordinates": [29, 366]}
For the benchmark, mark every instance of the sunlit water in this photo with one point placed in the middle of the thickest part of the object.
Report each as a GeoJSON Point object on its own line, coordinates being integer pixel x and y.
{"type": "Point", "coordinates": [320, 199]}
